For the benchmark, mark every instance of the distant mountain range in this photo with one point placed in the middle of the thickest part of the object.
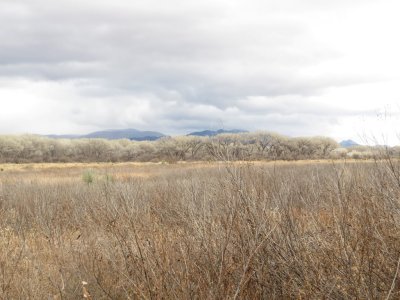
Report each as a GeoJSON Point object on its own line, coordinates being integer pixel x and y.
{"type": "Point", "coordinates": [216, 132]}
{"type": "Point", "coordinates": [348, 143]}
{"type": "Point", "coordinates": [136, 135]}
{"type": "Point", "coordinates": [115, 134]}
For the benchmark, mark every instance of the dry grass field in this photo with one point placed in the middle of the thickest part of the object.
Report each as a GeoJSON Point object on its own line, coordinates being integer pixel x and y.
{"type": "Point", "coordinates": [277, 230]}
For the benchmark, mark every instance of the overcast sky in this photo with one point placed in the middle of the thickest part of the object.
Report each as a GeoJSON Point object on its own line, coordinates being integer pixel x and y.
{"type": "Point", "coordinates": [300, 68]}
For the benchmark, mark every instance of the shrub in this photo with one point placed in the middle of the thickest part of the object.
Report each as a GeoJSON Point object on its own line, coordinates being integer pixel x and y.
{"type": "Point", "coordinates": [88, 177]}
{"type": "Point", "coordinates": [224, 231]}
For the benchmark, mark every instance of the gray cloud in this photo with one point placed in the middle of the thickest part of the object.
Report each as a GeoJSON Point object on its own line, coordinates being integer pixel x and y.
{"type": "Point", "coordinates": [173, 66]}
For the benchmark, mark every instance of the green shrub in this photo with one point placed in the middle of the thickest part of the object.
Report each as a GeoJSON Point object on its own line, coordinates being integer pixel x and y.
{"type": "Point", "coordinates": [88, 177]}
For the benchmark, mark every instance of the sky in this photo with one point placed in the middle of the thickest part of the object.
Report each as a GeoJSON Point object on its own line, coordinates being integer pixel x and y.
{"type": "Point", "coordinates": [299, 68]}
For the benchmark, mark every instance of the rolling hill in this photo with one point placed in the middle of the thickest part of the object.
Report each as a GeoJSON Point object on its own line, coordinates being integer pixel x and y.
{"type": "Point", "coordinates": [216, 132]}
{"type": "Point", "coordinates": [115, 134]}
{"type": "Point", "coordinates": [348, 143]}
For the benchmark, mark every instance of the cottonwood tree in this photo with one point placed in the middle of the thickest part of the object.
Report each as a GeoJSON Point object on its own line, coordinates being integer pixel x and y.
{"type": "Point", "coordinates": [10, 149]}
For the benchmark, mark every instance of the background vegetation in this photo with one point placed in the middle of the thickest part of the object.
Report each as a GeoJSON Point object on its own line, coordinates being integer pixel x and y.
{"type": "Point", "coordinates": [244, 146]}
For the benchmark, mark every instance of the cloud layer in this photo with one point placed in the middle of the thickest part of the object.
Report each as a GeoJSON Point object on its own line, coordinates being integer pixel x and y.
{"type": "Point", "coordinates": [298, 68]}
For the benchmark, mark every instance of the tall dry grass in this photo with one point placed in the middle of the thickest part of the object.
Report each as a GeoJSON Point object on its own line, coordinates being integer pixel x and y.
{"type": "Point", "coordinates": [240, 231]}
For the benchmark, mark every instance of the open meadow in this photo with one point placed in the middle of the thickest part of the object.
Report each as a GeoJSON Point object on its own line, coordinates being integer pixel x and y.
{"type": "Point", "coordinates": [200, 230]}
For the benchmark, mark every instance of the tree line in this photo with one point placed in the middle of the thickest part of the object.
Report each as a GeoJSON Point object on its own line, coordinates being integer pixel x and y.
{"type": "Point", "coordinates": [243, 146]}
